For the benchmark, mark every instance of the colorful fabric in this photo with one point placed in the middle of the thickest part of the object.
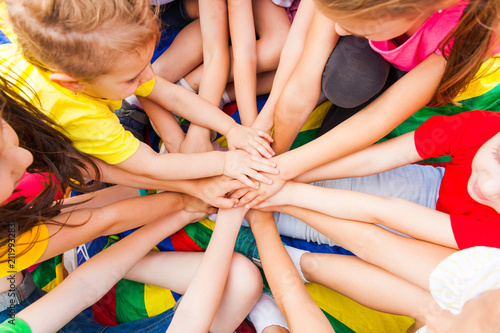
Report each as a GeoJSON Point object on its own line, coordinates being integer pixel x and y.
{"type": "Point", "coordinates": [15, 325]}
{"type": "Point", "coordinates": [461, 136]}
{"type": "Point", "coordinates": [483, 93]}
{"type": "Point", "coordinates": [424, 42]}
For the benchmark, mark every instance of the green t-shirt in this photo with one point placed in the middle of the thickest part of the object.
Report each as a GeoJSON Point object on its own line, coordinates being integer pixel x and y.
{"type": "Point", "coordinates": [15, 325]}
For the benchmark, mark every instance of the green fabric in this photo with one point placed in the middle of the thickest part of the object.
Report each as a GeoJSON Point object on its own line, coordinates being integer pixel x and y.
{"type": "Point", "coordinates": [127, 290]}
{"type": "Point", "coordinates": [15, 325]}
{"type": "Point", "coordinates": [489, 102]}
{"type": "Point", "coordinates": [337, 325]}
{"type": "Point", "coordinates": [46, 271]}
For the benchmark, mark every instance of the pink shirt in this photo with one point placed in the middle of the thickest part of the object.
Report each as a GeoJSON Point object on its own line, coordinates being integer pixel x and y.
{"type": "Point", "coordinates": [424, 42]}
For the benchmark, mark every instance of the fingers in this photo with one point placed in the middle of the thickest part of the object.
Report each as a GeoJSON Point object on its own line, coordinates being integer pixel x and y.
{"type": "Point", "coordinates": [240, 192]}
{"type": "Point", "coordinates": [247, 198]}
{"type": "Point", "coordinates": [263, 147]}
{"type": "Point", "coordinates": [235, 185]}
{"type": "Point", "coordinates": [245, 180]}
{"type": "Point", "coordinates": [264, 165]}
{"type": "Point", "coordinates": [265, 135]}
{"type": "Point", "coordinates": [257, 200]}
{"type": "Point", "coordinates": [227, 203]}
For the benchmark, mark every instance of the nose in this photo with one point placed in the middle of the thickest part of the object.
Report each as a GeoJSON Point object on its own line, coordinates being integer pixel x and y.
{"type": "Point", "coordinates": [147, 74]}
{"type": "Point", "coordinates": [341, 31]}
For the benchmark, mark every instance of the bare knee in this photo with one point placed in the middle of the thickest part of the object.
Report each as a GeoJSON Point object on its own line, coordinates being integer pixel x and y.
{"type": "Point", "coordinates": [244, 278]}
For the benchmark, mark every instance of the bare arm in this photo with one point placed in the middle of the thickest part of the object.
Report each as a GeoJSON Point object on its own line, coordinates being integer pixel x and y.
{"type": "Point", "coordinates": [204, 293]}
{"type": "Point", "coordinates": [242, 31]}
{"type": "Point", "coordinates": [371, 160]}
{"type": "Point", "coordinates": [89, 282]}
{"type": "Point", "coordinates": [400, 101]}
{"type": "Point", "coordinates": [83, 225]}
{"type": "Point", "coordinates": [300, 311]}
{"type": "Point", "coordinates": [301, 93]}
{"type": "Point", "coordinates": [236, 164]}
{"type": "Point", "coordinates": [197, 110]}
{"type": "Point", "coordinates": [402, 215]}
{"type": "Point", "coordinates": [289, 58]}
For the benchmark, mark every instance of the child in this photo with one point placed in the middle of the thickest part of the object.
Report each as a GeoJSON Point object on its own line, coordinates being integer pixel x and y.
{"type": "Point", "coordinates": [467, 209]}
{"type": "Point", "coordinates": [37, 232]}
{"type": "Point", "coordinates": [248, 56]}
{"type": "Point", "coordinates": [81, 90]}
{"type": "Point", "coordinates": [436, 76]}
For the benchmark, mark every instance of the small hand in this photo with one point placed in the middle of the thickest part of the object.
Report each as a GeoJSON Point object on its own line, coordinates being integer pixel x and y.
{"type": "Point", "coordinates": [252, 141]}
{"type": "Point", "coordinates": [262, 123]}
{"type": "Point", "coordinates": [240, 165]}
{"type": "Point", "coordinates": [256, 197]}
{"type": "Point", "coordinates": [216, 191]}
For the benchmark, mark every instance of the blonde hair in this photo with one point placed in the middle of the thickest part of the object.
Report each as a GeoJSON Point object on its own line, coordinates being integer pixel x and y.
{"type": "Point", "coordinates": [474, 37]}
{"type": "Point", "coordinates": [82, 38]}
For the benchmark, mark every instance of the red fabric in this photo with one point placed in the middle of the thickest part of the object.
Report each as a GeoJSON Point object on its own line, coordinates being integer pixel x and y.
{"type": "Point", "coordinates": [104, 311]}
{"type": "Point", "coordinates": [246, 327]}
{"type": "Point", "coordinates": [461, 136]}
{"type": "Point", "coordinates": [182, 242]}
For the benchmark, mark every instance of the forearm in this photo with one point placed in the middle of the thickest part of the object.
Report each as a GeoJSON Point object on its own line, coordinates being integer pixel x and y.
{"type": "Point", "coordinates": [371, 160]}
{"type": "Point", "coordinates": [401, 100]}
{"type": "Point", "coordinates": [165, 124]}
{"type": "Point", "coordinates": [242, 31]}
{"type": "Point", "coordinates": [83, 285]}
{"type": "Point", "coordinates": [190, 106]}
{"type": "Point", "coordinates": [214, 30]}
{"type": "Point", "coordinates": [288, 289]}
{"type": "Point", "coordinates": [147, 163]}
{"type": "Point", "coordinates": [205, 290]}
{"type": "Point", "coordinates": [291, 52]}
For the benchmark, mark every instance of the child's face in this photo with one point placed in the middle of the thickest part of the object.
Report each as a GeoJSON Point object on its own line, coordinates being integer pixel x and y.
{"type": "Point", "coordinates": [130, 71]}
{"type": "Point", "coordinates": [484, 182]}
{"type": "Point", "coordinates": [376, 29]}
{"type": "Point", "coordinates": [13, 160]}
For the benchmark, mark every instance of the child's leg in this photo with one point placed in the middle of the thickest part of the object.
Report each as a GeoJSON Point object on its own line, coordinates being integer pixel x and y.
{"type": "Point", "coordinates": [271, 26]}
{"type": "Point", "coordinates": [366, 284]}
{"type": "Point", "coordinates": [184, 54]}
{"type": "Point", "coordinates": [410, 259]}
{"type": "Point", "coordinates": [174, 270]}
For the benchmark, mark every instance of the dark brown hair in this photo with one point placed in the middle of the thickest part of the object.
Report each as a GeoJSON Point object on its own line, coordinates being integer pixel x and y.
{"type": "Point", "coordinates": [53, 153]}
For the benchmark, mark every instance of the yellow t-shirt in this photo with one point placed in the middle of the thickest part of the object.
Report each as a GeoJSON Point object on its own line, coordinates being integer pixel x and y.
{"type": "Point", "coordinates": [89, 122]}
{"type": "Point", "coordinates": [15, 258]}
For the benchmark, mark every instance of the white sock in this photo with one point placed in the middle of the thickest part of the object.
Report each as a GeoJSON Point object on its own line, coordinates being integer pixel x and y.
{"type": "Point", "coordinates": [132, 100]}
{"type": "Point", "coordinates": [295, 255]}
{"type": "Point", "coordinates": [225, 100]}
{"type": "Point", "coordinates": [184, 84]}
{"type": "Point", "coordinates": [266, 313]}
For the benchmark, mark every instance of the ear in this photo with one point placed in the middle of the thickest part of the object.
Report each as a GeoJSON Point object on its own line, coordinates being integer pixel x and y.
{"type": "Point", "coordinates": [67, 81]}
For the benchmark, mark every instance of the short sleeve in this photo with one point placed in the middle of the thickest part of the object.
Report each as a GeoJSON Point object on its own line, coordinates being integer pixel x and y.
{"type": "Point", "coordinates": [146, 88]}
{"type": "Point", "coordinates": [28, 248]}
{"type": "Point", "coordinates": [471, 231]}
{"type": "Point", "coordinates": [98, 132]}
{"type": "Point", "coordinates": [14, 325]}
{"type": "Point", "coordinates": [447, 135]}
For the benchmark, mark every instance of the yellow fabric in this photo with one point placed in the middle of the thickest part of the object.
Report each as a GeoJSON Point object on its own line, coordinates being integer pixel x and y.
{"type": "Point", "coordinates": [57, 280]}
{"type": "Point", "coordinates": [38, 236]}
{"type": "Point", "coordinates": [489, 76]}
{"type": "Point", "coordinates": [89, 122]}
{"type": "Point", "coordinates": [146, 88]}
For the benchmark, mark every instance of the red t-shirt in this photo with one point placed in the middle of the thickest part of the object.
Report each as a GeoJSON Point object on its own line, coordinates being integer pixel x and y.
{"type": "Point", "coordinates": [461, 136]}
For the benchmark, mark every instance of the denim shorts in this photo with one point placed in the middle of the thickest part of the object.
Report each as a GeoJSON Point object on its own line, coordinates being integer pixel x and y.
{"type": "Point", "coordinates": [27, 293]}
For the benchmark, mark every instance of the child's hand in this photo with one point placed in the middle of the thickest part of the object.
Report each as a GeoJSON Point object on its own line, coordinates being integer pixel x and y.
{"type": "Point", "coordinates": [241, 165]}
{"type": "Point", "coordinates": [255, 197]}
{"type": "Point", "coordinates": [195, 205]}
{"type": "Point", "coordinates": [216, 190]}
{"type": "Point", "coordinates": [252, 141]}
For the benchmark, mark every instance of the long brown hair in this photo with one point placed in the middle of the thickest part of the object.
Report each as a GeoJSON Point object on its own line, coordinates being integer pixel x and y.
{"type": "Point", "coordinates": [53, 153]}
{"type": "Point", "coordinates": [474, 37]}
